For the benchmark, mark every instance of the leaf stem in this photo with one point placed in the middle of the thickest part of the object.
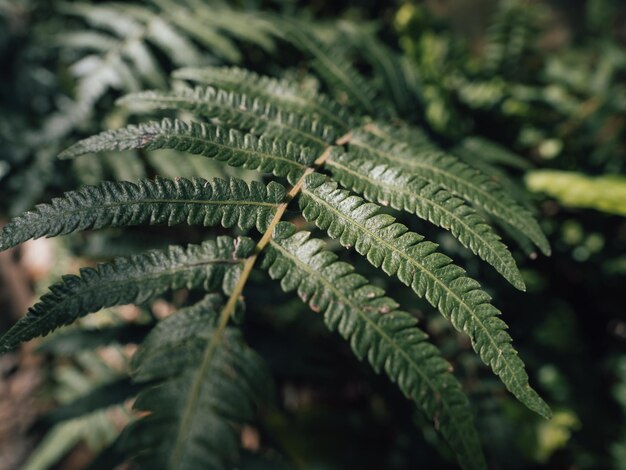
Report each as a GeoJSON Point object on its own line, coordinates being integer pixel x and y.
{"type": "Point", "coordinates": [231, 304]}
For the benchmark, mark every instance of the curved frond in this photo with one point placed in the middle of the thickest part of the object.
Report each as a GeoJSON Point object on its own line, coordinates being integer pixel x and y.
{"type": "Point", "coordinates": [227, 145]}
{"type": "Point", "coordinates": [132, 280]}
{"type": "Point", "coordinates": [432, 275]}
{"type": "Point", "coordinates": [388, 338]}
{"type": "Point", "coordinates": [391, 78]}
{"type": "Point", "coordinates": [236, 110]}
{"type": "Point", "coordinates": [227, 202]}
{"type": "Point", "coordinates": [282, 93]}
{"type": "Point", "coordinates": [195, 404]}
{"type": "Point", "coordinates": [497, 174]}
{"type": "Point", "coordinates": [206, 35]}
{"type": "Point", "coordinates": [253, 27]}
{"type": "Point", "coordinates": [387, 185]}
{"type": "Point", "coordinates": [490, 152]}
{"type": "Point", "coordinates": [333, 67]}
{"type": "Point", "coordinates": [454, 175]}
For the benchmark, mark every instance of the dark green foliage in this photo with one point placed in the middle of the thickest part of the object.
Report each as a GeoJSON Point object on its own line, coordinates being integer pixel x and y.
{"type": "Point", "coordinates": [284, 94]}
{"type": "Point", "coordinates": [236, 110]}
{"type": "Point", "coordinates": [132, 280]}
{"type": "Point", "coordinates": [388, 186]}
{"type": "Point", "coordinates": [388, 338]}
{"type": "Point", "coordinates": [79, 339]}
{"type": "Point", "coordinates": [202, 384]}
{"type": "Point", "coordinates": [268, 155]}
{"type": "Point", "coordinates": [454, 175]}
{"type": "Point", "coordinates": [231, 203]}
{"type": "Point", "coordinates": [392, 247]}
{"type": "Point", "coordinates": [102, 397]}
{"type": "Point", "coordinates": [322, 127]}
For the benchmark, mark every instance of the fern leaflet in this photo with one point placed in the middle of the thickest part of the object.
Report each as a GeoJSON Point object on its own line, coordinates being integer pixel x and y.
{"type": "Point", "coordinates": [132, 280]}
{"type": "Point", "coordinates": [376, 330]}
{"type": "Point", "coordinates": [195, 400]}
{"type": "Point", "coordinates": [415, 262]}
{"type": "Point", "coordinates": [334, 68]}
{"type": "Point", "coordinates": [386, 185]}
{"type": "Point", "coordinates": [457, 177]}
{"type": "Point", "coordinates": [227, 145]}
{"type": "Point", "coordinates": [281, 93]}
{"type": "Point", "coordinates": [227, 202]}
{"type": "Point", "coordinates": [237, 111]}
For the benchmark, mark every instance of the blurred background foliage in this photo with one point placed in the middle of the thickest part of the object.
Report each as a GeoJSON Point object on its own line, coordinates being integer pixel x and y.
{"type": "Point", "coordinates": [545, 79]}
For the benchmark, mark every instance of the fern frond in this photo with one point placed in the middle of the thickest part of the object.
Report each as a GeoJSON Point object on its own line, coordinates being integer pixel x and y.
{"type": "Point", "coordinates": [132, 22]}
{"type": "Point", "coordinates": [389, 72]}
{"type": "Point", "coordinates": [388, 338]}
{"type": "Point", "coordinates": [226, 145]}
{"type": "Point", "coordinates": [231, 202]}
{"type": "Point", "coordinates": [281, 93]}
{"type": "Point", "coordinates": [454, 175]}
{"type": "Point", "coordinates": [509, 37]}
{"type": "Point", "coordinates": [253, 27]}
{"type": "Point", "coordinates": [237, 111]}
{"type": "Point", "coordinates": [387, 185]}
{"type": "Point", "coordinates": [145, 63]}
{"type": "Point", "coordinates": [334, 68]}
{"type": "Point", "coordinates": [132, 280]}
{"type": "Point", "coordinates": [104, 17]}
{"type": "Point", "coordinates": [483, 149]}
{"type": "Point", "coordinates": [205, 34]}
{"type": "Point", "coordinates": [415, 262]}
{"type": "Point", "coordinates": [158, 29]}
{"type": "Point", "coordinates": [199, 399]}
{"type": "Point", "coordinates": [495, 173]}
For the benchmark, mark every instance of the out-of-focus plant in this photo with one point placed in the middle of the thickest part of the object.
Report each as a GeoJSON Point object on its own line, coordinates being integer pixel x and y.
{"type": "Point", "coordinates": [603, 193]}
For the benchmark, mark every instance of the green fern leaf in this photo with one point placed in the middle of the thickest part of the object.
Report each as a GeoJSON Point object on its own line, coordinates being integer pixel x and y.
{"type": "Point", "coordinates": [431, 275]}
{"type": "Point", "coordinates": [175, 44]}
{"type": "Point", "coordinates": [247, 26]}
{"type": "Point", "coordinates": [376, 330]}
{"type": "Point", "coordinates": [195, 400]}
{"type": "Point", "coordinates": [281, 93]}
{"type": "Point", "coordinates": [231, 202]}
{"type": "Point", "coordinates": [476, 152]}
{"type": "Point", "coordinates": [387, 65]}
{"type": "Point", "coordinates": [210, 37]}
{"type": "Point", "coordinates": [478, 148]}
{"type": "Point", "coordinates": [132, 280]}
{"type": "Point", "coordinates": [454, 175]}
{"type": "Point", "coordinates": [389, 186]}
{"type": "Point", "coordinates": [237, 111]}
{"type": "Point", "coordinates": [333, 67]}
{"type": "Point", "coordinates": [495, 173]}
{"type": "Point", "coordinates": [227, 145]}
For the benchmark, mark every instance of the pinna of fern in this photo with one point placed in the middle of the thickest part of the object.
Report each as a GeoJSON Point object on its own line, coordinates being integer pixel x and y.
{"type": "Point", "coordinates": [337, 175]}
